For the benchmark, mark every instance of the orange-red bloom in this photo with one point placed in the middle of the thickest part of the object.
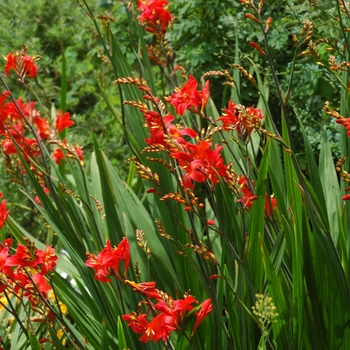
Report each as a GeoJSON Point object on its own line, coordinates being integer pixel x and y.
{"type": "Point", "coordinates": [22, 64]}
{"type": "Point", "coordinates": [159, 328]}
{"type": "Point", "coordinates": [107, 262]}
{"type": "Point", "coordinates": [43, 127]}
{"type": "Point", "coordinates": [155, 15]}
{"type": "Point", "coordinates": [3, 212]}
{"type": "Point", "coordinates": [202, 314]}
{"type": "Point", "coordinates": [23, 257]}
{"type": "Point", "coordinates": [46, 259]}
{"type": "Point", "coordinates": [237, 117]}
{"type": "Point", "coordinates": [63, 121]}
{"type": "Point", "coordinates": [188, 97]}
{"type": "Point", "coordinates": [3, 114]}
{"type": "Point", "coordinates": [160, 126]}
{"type": "Point", "coordinates": [201, 163]}
{"type": "Point", "coordinates": [148, 289]}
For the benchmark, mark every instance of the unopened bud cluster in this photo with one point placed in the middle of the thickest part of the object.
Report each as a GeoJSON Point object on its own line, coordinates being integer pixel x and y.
{"type": "Point", "coordinates": [264, 310]}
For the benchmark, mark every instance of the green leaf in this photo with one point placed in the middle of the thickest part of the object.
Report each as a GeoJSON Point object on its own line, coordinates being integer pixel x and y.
{"type": "Point", "coordinates": [330, 185]}
{"type": "Point", "coordinates": [34, 341]}
{"type": "Point", "coordinates": [121, 336]}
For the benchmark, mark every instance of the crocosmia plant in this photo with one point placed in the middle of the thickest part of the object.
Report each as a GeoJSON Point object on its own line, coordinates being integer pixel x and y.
{"type": "Point", "coordinates": [230, 230]}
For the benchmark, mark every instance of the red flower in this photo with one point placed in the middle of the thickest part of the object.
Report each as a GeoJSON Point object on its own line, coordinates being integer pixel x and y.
{"type": "Point", "coordinates": [43, 126]}
{"type": "Point", "coordinates": [22, 64]}
{"type": "Point", "coordinates": [57, 156]}
{"type": "Point", "coordinates": [159, 328]}
{"type": "Point", "coordinates": [79, 151]}
{"type": "Point", "coordinates": [31, 290]}
{"type": "Point", "coordinates": [154, 15]}
{"type": "Point", "coordinates": [270, 204]}
{"type": "Point", "coordinates": [146, 288]}
{"type": "Point", "coordinates": [41, 283]}
{"type": "Point", "coordinates": [108, 260]}
{"type": "Point", "coordinates": [5, 270]}
{"type": "Point", "coordinates": [100, 264]}
{"type": "Point", "coordinates": [3, 212]}
{"type": "Point", "coordinates": [123, 253]}
{"type": "Point", "coordinates": [177, 309]}
{"type": "Point", "coordinates": [63, 121]}
{"type": "Point", "coordinates": [47, 259]}
{"type": "Point", "coordinates": [157, 124]}
{"type": "Point", "coordinates": [201, 163]}
{"type": "Point", "coordinates": [237, 117]}
{"type": "Point", "coordinates": [28, 109]}
{"type": "Point", "coordinates": [248, 196]}
{"type": "Point", "coordinates": [189, 97]}
{"type": "Point", "coordinates": [202, 314]}
{"type": "Point", "coordinates": [138, 323]}
{"type": "Point", "coordinates": [3, 114]}
{"type": "Point", "coordinates": [23, 257]}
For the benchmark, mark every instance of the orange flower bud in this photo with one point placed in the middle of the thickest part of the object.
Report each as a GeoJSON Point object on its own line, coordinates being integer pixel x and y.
{"type": "Point", "coordinates": [258, 48]}
{"type": "Point", "coordinates": [252, 17]}
{"type": "Point", "coordinates": [268, 24]}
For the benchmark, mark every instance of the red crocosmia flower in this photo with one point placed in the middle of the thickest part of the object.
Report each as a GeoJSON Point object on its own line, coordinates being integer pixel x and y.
{"type": "Point", "coordinates": [63, 121]}
{"type": "Point", "coordinates": [8, 147]}
{"type": "Point", "coordinates": [154, 15]}
{"type": "Point", "coordinates": [123, 251]}
{"type": "Point", "coordinates": [4, 268]}
{"type": "Point", "coordinates": [27, 109]}
{"type": "Point", "coordinates": [22, 64]}
{"type": "Point", "coordinates": [46, 259]}
{"type": "Point", "coordinates": [116, 254]}
{"type": "Point", "coordinates": [159, 328]}
{"type": "Point", "coordinates": [146, 288]}
{"type": "Point", "coordinates": [3, 114]}
{"type": "Point", "coordinates": [11, 63]}
{"type": "Point", "coordinates": [201, 315]}
{"type": "Point", "coordinates": [230, 118]}
{"type": "Point", "coordinates": [180, 307]}
{"type": "Point", "coordinates": [41, 283]}
{"type": "Point", "coordinates": [248, 196]}
{"type": "Point", "coordinates": [43, 127]}
{"type": "Point", "coordinates": [204, 94]}
{"type": "Point", "coordinates": [7, 243]}
{"type": "Point", "coordinates": [100, 264]}
{"type": "Point", "coordinates": [201, 163]}
{"type": "Point", "coordinates": [187, 97]}
{"type": "Point", "coordinates": [23, 257]}
{"type": "Point", "coordinates": [3, 212]}
{"type": "Point", "coordinates": [57, 156]}
{"type": "Point", "coordinates": [237, 117]}
{"type": "Point", "coordinates": [253, 117]}
{"type": "Point", "coordinates": [29, 289]}
{"type": "Point", "coordinates": [36, 198]}
{"type": "Point", "coordinates": [79, 151]}
{"type": "Point", "coordinates": [138, 323]}
{"type": "Point", "coordinates": [108, 260]}
{"type": "Point", "coordinates": [270, 204]}
{"type": "Point", "coordinates": [155, 124]}
{"type": "Point", "coordinates": [158, 124]}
